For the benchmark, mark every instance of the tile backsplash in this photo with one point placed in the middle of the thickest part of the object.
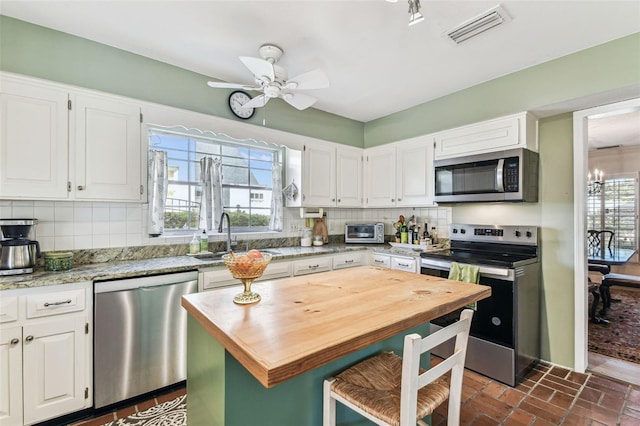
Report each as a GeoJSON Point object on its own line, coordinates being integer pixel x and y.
{"type": "Point", "coordinates": [74, 225]}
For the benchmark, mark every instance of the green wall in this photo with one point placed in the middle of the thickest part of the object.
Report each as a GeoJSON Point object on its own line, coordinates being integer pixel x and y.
{"type": "Point", "coordinates": [44, 53]}
{"type": "Point", "coordinates": [609, 66]}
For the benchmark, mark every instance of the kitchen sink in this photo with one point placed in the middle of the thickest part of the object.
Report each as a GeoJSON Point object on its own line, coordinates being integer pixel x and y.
{"type": "Point", "coordinates": [270, 251]}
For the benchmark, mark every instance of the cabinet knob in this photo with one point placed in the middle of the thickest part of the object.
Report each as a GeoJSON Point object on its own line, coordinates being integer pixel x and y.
{"type": "Point", "coordinates": [14, 341]}
{"type": "Point", "coordinates": [333, 199]}
{"type": "Point", "coordinates": [80, 187]}
{"type": "Point", "coordinates": [29, 338]}
{"type": "Point", "coordinates": [399, 199]}
{"type": "Point", "coordinates": [339, 200]}
{"type": "Point", "coordinates": [392, 200]}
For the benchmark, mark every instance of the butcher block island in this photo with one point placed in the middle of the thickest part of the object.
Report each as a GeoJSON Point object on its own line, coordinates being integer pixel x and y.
{"type": "Point", "coordinates": [264, 363]}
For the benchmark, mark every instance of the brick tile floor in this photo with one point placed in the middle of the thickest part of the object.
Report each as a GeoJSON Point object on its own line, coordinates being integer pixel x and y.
{"type": "Point", "coordinates": [549, 396]}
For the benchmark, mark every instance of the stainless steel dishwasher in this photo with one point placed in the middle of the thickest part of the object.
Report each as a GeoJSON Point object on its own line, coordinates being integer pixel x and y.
{"type": "Point", "coordinates": [140, 332]}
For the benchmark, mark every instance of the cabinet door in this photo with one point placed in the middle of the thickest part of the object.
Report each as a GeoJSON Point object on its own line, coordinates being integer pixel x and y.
{"type": "Point", "coordinates": [349, 177]}
{"type": "Point", "coordinates": [11, 376]}
{"type": "Point", "coordinates": [404, 264]}
{"type": "Point", "coordinates": [319, 176]}
{"type": "Point", "coordinates": [312, 265]}
{"type": "Point", "coordinates": [54, 368]}
{"type": "Point", "coordinates": [33, 141]}
{"type": "Point", "coordinates": [107, 149]}
{"type": "Point", "coordinates": [414, 171]}
{"type": "Point", "coordinates": [380, 181]}
{"type": "Point", "coordinates": [348, 260]}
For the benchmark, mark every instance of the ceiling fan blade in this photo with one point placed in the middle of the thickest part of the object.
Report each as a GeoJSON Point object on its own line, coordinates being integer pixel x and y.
{"type": "Point", "coordinates": [224, 85]}
{"type": "Point", "coordinates": [256, 102]}
{"type": "Point", "coordinates": [259, 67]}
{"type": "Point", "coordinates": [299, 100]}
{"type": "Point", "coordinates": [315, 79]}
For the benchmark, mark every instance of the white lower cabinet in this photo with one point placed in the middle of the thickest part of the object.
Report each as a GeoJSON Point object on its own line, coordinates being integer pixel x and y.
{"type": "Point", "coordinates": [45, 355]}
{"type": "Point", "coordinates": [311, 265]}
{"type": "Point", "coordinates": [219, 276]}
{"type": "Point", "coordinates": [391, 261]}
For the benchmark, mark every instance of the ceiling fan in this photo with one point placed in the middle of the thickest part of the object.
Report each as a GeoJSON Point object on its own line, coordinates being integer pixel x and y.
{"type": "Point", "coordinates": [272, 81]}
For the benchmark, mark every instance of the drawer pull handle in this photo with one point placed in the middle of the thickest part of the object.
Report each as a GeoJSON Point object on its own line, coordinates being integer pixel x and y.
{"type": "Point", "coordinates": [406, 265]}
{"type": "Point", "coordinates": [314, 266]}
{"type": "Point", "coordinates": [81, 187]}
{"type": "Point", "coordinates": [64, 302]}
{"type": "Point", "coordinates": [14, 341]}
{"type": "Point", "coordinates": [28, 338]}
{"type": "Point", "coordinates": [348, 261]}
{"type": "Point", "coordinates": [379, 261]}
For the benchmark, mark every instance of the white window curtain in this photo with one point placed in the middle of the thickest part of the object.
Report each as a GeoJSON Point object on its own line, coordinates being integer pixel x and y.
{"type": "Point", "coordinates": [157, 191]}
{"type": "Point", "coordinates": [275, 222]}
{"type": "Point", "coordinates": [211, 202]}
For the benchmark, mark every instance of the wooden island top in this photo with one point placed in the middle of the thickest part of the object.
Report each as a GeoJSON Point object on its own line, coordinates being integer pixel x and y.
{"type": "Point", "coordinates": [307, 321]}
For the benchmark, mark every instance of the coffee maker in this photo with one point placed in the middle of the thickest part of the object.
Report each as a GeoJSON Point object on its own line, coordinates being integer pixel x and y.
{"type": "Point", "coordinates": [18, 253]}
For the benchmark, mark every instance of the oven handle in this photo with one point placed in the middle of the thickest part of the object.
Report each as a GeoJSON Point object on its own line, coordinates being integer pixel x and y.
{"type": "Point", "coordinates": [445, 266]}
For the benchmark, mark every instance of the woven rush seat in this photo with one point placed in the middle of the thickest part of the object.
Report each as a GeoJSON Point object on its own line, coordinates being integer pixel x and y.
{"type": "Point", "coordinates": [374, 385]}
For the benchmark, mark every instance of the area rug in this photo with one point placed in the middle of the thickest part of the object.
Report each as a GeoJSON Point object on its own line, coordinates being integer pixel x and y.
{"type": "Point", "coordinates": [170, 413]}
{"type": "Point", "coordinates": [621, 337]}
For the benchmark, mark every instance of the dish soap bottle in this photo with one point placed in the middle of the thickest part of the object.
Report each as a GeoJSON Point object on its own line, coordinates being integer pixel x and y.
{"type": "Point", "coordinates": [194, 245]}
{"type": "Point", "coordinates": [204, 242]}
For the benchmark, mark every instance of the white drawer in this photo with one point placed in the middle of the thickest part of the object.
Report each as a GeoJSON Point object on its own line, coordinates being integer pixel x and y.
{"type": "Point", "coordinates": [348, 260]}
{"type": "Point", "coordinates": [276, 270]}
{"type": "Point", "coordinates": [312, 265]}
{"type": "Point", "coordinates": [383, 260]}
{"type": "Point", "coordinates": [404, 264]}
{"type": "Point", "coordinates": [222, 277]}
{"type": "Point", "coordinates": [8, 309]}
{"type": "Point", "coordinates": [53, 303]}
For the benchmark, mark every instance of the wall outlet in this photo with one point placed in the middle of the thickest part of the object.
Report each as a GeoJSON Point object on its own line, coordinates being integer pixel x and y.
{"type": "Point", "coordinates": [293, 227]}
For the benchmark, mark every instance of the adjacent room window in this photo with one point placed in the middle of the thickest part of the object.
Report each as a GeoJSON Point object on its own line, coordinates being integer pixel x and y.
{"type": "Point", "coordinates": [246, 178]}
{"type": "Point", "coordinates": [615, 209]}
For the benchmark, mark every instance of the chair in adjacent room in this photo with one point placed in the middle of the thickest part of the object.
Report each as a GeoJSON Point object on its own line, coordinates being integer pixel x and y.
{"type": "Point", "coordinates": [392, 390]}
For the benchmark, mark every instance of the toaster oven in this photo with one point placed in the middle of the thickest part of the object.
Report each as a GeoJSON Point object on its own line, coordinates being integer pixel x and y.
{"type": "Point", "coordinates": [372, 233]}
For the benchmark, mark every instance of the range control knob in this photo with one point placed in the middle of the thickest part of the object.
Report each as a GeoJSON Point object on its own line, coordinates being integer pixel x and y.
{"type": "Point", "coordinates": [518, 234]}
{"type": "Point", "coordinates": [454, 230]}
{"type": "Point", "coordinates": [463, 231]}
{"type": "Point", "coordinates": [529, 234]}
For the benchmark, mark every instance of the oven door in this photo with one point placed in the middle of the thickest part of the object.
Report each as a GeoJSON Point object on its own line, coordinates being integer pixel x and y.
{"type": "Point", "coordinates": [493, 317]}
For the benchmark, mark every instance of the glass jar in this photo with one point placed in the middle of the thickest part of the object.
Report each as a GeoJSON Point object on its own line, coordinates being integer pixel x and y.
{"type": "Point", "coordinates": [305, 239]}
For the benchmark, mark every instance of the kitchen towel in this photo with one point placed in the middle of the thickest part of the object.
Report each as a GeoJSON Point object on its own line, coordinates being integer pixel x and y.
{"type": "Point", "coordinates": [467, 274]}
{"type": "Point", "coordinates": [211, 201]}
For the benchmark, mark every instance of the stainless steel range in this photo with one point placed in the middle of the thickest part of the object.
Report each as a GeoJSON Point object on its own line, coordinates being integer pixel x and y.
{"type": "Point", "coordinates": [505, 332]}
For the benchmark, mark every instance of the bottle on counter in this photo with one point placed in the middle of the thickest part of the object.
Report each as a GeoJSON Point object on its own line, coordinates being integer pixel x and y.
{"type": "Point", "coordinates": [425, 234]}
{"type": "Point", "coordinates": [194, 245]}
{"type": "Point", "coordinates": [416, 235]}
{"type": "Point", "coordinates": [434, 235]}
{"type": "Point", "coordinates": [404, 234]}
{"type": "Point", "coordinates": [204, 241]}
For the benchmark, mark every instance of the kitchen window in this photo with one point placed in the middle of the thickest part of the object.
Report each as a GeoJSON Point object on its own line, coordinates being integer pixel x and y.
{"type": "Point", "coordinates": [246, 178]}
{"type": "Point", "coordinates": [616, 208]}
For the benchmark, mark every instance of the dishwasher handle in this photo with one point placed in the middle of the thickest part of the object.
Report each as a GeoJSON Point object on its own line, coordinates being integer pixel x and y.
{"type": "Point", "coordinates": [144, 282]}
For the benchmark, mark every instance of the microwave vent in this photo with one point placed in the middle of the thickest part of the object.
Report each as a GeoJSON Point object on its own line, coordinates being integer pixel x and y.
{"type": "Point", "coordinates": [478, 24]}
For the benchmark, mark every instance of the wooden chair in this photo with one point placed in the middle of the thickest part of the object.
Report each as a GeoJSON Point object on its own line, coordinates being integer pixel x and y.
{"type": "Point", "coordinates": [390, 390]}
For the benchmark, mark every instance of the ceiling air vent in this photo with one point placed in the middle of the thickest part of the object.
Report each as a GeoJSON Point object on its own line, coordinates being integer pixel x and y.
{"type": "Point", "coordinates": [478, 24]}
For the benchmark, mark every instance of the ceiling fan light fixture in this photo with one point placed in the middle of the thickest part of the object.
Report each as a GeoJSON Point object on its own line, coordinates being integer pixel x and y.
{"type": "Point", "coordinates": [479, 24]}
{"type": "Point", "coordinates": [414, 12]}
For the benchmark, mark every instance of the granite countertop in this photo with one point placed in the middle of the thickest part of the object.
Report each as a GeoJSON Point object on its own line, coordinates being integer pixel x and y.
{"type": "Point", "coordinates": [155, 266]}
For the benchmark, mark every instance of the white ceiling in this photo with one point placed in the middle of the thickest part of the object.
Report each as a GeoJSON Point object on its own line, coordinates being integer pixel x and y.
{"type": "Point", "coordinates": [621, 129]}
{"type": "Point", "coordinates": [376, 63]}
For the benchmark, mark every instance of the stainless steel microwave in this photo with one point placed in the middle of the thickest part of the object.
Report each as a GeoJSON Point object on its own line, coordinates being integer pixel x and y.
{"type": "Point", "coordinates": [509, 175]}
{"type": "Point", "coordinates": [372, 233]}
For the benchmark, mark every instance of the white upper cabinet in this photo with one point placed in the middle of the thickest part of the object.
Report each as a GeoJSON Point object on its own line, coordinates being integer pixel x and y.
{"type": "Point", "coordinates": [514, 131]}
{"type": "Point", "coordinates": [332, 176]}
{"type": "Point", "coordinates": [319, 176]}
{"type": "Point", "coordinates": [414, 172]}
{"type": "Point", "coordinates": [107, 146]}
{"type": "Point", "coordinates": [63, 143]}
{"type": "Point", "coordinates": [400, 174]}
{"type": "Point", "coordinates": [33, 141]}
{"type": "Point", "coordinates": [380, 176]}
{"type": "Point", "coordinates": [349, 177]}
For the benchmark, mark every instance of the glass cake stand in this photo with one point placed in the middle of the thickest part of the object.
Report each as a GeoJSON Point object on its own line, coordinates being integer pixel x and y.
{"type": "Point", "coordinates": [246, 269]}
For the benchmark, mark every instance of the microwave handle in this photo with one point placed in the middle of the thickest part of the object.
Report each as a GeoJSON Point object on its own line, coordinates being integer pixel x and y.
{"type": "Point", "coordinates": [500, 175]}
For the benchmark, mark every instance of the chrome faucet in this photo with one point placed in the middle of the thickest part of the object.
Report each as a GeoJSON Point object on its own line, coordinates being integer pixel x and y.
{"type": "Point", "coordinates": [228, 229]}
